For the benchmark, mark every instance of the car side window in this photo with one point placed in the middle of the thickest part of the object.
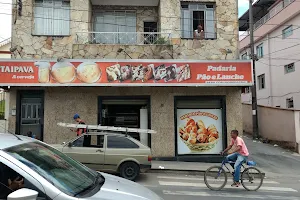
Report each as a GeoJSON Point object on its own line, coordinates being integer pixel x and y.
{"type": "Point", "coordinates": [78, 142]}
{"type": "Point", "coordinates": [96, 141]}
{"type": "Point", "coordinates": [120, 142]}
{"type": "Point", "coordinates": [11, 181]}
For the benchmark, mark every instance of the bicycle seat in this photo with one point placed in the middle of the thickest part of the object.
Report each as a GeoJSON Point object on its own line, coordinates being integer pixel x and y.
{"type": "Point", "coordinates": [251, 163]}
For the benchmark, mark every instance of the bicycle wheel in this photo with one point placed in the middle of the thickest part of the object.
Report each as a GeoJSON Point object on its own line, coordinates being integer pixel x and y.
{"type": "Point", "coordinates": [215, 178]}
{"type": "Point", "coordinates": [253, 177]}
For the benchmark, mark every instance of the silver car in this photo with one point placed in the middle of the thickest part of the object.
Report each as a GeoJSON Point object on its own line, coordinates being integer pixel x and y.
{"type": "Point", "coordinates": [33, 170]}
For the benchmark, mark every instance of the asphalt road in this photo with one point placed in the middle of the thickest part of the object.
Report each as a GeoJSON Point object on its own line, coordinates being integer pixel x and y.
{"type": "Point", "coordinates": [180, 186]}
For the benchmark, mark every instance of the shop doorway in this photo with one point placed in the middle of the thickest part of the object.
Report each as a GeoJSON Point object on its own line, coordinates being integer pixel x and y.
{"type": "Point", "coordinates": [30, 113]}
{"type": "Point", "coordinates": [131, 112]}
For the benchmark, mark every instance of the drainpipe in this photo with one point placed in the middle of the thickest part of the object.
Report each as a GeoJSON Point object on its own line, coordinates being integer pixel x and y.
{"type": "Point", "coordinates": [270, 71]}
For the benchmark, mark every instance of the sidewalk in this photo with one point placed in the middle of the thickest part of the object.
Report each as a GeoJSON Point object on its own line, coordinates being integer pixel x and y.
{"type": "Point", "coordinates": [272, 161]}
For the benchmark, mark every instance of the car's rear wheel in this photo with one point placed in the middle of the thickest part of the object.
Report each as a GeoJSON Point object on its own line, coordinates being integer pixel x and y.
{"type": "Point", "coordinates": [130, 170]}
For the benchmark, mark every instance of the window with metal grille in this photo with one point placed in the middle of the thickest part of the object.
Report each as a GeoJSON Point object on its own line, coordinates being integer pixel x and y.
{"type": "Point", "coordinates": [194, 14]}
{"type": "Point", "coordinates": [30, 113]}
{"type": "Point", "coordinates": [52, 17]}
{"type": "Point", "coordinates": [289, 68]}
{"type": "Point", "coordinates": [115, 26]}
{"type": "Point", "coordinates": [287, 32]}
{"type": "Point", "coordinates": [290, 103]}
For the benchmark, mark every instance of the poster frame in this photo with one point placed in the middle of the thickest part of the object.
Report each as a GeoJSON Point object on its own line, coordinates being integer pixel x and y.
{"type": "Point", "coordinates": [201, 157]}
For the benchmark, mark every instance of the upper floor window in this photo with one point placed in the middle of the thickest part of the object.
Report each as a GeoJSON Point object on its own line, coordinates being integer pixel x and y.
{"type": "Point", "coordinates": [244, 56]}
{"type": "Point", "coordinates": [52, 17]}
{"type": "Point", "coordinates": [290, 103]}
{"type": "Point", "coordinates": [261, 81]}
{"type": "Point", "coordinates": [289, 68]}
{"type": "Point", "coordinates": [115, 26]}
{"type": "Point", "coordinates": [260, 50]}
{"type": "Point", "coordinates": [246, 90]}
{"type": "Point", "coordinates": [287, 32]}
{"type": "Point", "coordinates": [198, 20]}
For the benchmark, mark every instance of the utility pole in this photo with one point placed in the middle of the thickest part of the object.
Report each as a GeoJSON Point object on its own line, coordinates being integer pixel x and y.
{"type": "Point", "coordinates": [253, 57]}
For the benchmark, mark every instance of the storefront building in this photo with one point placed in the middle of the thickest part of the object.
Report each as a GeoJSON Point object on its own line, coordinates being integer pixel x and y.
{"type": "Point", "coordinates": [178, 99]}
{"type": "Point", "coordinates": [162, 35]}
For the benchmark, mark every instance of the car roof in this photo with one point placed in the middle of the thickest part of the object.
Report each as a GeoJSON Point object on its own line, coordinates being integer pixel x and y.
{"type": "Point", "coordinates": [9, 140]}
{"type": "Point", "coordinates": [106, 133]}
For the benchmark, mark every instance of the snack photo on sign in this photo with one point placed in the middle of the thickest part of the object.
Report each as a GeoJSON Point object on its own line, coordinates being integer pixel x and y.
{"type": "Point", "coordinates": [137, 73]}
{"type": "Point", "coordinates": [183, 73]}
{"type": "Point", "coordinates": [170, 73]}
{"type": "Point", "coordinates": [126, 72]}
{"type": "Point", "coordinates": [148, 72]}
{"type": "Point", "coordinates": [88, 72]}
{"type": "Point", "coordinates": [63, 72]}
{"type": "Point", "coordinates": [113, 73]}
{"type": "Point", "coordinates": [160, 72]}
{"type": "Point", "coordinates": [43, 71]}
{"type": "Point", "coordinates": [197, 136]}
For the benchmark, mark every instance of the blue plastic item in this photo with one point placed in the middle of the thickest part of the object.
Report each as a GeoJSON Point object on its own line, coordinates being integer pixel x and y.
{"type": "Point", "coordinates": [251, 163]}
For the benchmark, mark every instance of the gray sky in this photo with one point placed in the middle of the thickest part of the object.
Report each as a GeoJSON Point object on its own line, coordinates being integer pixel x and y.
{"type": "Point", "coordinates": [5, 16]}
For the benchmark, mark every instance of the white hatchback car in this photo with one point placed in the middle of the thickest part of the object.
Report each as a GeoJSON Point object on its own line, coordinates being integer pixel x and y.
{"type": "Point", "coordinates": [30, 169]}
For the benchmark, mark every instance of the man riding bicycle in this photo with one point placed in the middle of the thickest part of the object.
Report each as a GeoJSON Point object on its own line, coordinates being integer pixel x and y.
{"type": "Point", "coordinates": [239, 155]}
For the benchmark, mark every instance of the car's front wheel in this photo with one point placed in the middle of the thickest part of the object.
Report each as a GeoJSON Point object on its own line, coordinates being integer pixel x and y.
{"type": "Point", "coordinates": [130, 170]}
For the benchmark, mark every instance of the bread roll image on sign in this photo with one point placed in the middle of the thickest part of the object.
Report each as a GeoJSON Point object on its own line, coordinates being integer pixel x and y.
{"type": "Point", "coordinates": [88, 72]}
{"type": "Point", "coordinates": [113, 73]}
{"type": "Point", "coordinates": [43, 71]}
{"type": "Point", "coordinates": [63, 72]}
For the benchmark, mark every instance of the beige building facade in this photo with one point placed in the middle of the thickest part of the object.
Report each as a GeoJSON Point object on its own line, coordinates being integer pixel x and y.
{"type": "Point", "coordinates": [140, 30]}
{"type": "Point", "coordinates": [5, 48]}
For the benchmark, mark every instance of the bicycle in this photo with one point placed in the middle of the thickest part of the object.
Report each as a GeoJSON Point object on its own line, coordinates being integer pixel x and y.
{"type": "Point", "coordinates": [245, 177]}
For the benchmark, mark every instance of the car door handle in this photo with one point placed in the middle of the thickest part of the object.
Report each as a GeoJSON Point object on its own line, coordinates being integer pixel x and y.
{"type": "Point", "coordinates": [99, 150]}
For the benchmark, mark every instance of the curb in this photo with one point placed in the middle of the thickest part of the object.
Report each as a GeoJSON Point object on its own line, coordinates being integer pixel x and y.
{"type": "Point", "coordinates": [186, 172]}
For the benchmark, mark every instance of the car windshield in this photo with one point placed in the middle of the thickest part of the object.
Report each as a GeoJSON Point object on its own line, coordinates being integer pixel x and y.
{"type": "Point", "coordinates": [63, 172]}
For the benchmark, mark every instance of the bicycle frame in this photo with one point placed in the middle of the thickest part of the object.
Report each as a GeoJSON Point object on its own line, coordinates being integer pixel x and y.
{"type": "Point", "coordinates": [224, 162]}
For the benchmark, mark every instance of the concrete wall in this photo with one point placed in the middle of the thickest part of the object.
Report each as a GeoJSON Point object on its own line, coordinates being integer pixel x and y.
{"type": "Point", "coordinates": [274, 123]}
{"type": "Point", "coordinates": [3, 126]}
{"type": "Point", "coordinates": [62, 102]}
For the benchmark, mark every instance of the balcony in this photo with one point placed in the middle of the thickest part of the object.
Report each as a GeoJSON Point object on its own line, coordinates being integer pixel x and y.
{"type": "Point", "coordinates": [277, 16]}
{"type": "Point", "coordinates": [124, 38]}
{"type": "Point", "coordinates": [274, 11]}
{"type": "Point", "coordinates": [123, 45]}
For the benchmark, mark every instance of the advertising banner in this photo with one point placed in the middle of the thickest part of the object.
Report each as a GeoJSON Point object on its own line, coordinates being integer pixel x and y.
{"type": "Point", "coordinates": [117, 73]}
{"type": "Point", "coordinates": [199, 131]}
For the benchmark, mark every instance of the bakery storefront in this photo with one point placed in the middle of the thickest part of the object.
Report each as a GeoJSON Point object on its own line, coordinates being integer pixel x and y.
{"type": "Point", "coordinates": [191, 104]}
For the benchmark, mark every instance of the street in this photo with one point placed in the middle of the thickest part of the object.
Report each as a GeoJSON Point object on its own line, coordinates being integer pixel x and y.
{"type": "Point", "coordinates": [281, 168]}
{"type": "Point", "coordinates": [180, 186]}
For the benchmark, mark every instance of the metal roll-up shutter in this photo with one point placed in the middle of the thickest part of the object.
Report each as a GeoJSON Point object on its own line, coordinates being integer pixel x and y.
{"type": "Point", "coordinates": [199, 103]}
{"type": "Point", "coordinates": [125, 101]}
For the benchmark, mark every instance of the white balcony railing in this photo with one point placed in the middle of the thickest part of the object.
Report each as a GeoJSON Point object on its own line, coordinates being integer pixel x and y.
{"type": "Point", "coordinates": [126, 38]}
{"type": "Point", "coordinates": [274, 11]}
